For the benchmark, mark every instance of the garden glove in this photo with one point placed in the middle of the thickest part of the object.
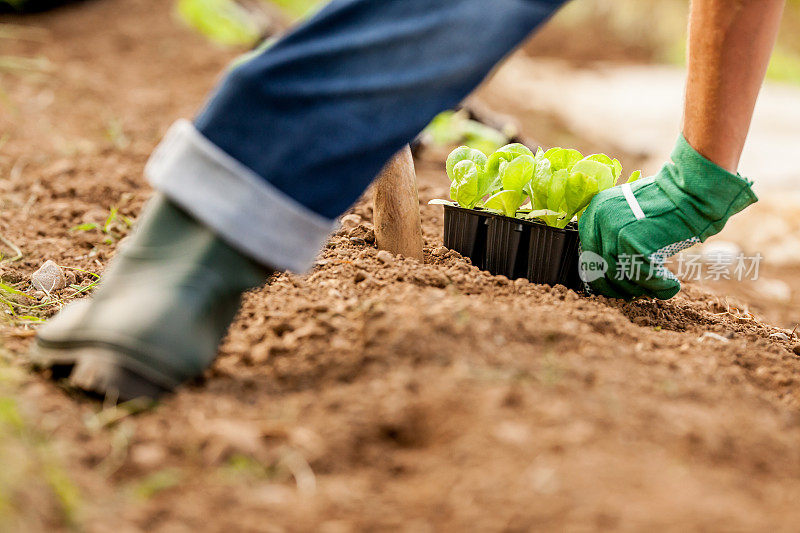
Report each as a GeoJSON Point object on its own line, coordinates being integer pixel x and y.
{"type": "Point", "coordinates": [629, 231]}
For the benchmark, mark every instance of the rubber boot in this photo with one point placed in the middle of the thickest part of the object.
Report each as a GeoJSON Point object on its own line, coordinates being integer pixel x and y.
{"type": "Point", "coordinates": [158, 315]}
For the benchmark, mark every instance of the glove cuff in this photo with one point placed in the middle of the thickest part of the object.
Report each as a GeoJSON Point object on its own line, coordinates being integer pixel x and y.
{"type": "Point", "coordinates": [717, 193]}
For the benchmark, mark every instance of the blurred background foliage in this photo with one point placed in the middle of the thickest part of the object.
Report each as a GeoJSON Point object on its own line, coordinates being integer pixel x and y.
{"type": "Point", "coordinates": [647, 32]}
{"type": "Point", "coordinates": [584, 31]}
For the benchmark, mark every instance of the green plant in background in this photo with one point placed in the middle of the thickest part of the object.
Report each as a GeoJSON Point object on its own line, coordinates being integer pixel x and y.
{"type": "Point", "coordinates": [231, 23]}
{"type": "Point", "coordinates": [784, 66]}
{"type": "Point", "coordinates": [656, 31]}
{"type": "Point", "coordinates": [455, 127]}
{"type": "Point", "coordinates": [559, 182]}
{"type": "Point", "coordinates": [299, 9]}
{"type": "Point", "coordinates": [222, 21]}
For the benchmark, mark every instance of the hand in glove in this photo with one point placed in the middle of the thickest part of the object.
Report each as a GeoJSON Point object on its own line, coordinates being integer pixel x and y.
{"type": "Point", "coordinates": [636, 227]}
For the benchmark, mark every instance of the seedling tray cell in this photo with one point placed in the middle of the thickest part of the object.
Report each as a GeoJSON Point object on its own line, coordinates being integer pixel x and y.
{"type": "Point", "coordinates": [465, 231]}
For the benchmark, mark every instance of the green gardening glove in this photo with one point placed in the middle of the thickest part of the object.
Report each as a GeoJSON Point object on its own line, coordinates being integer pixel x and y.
{"type": "Point", "coordinates": [628, 232]}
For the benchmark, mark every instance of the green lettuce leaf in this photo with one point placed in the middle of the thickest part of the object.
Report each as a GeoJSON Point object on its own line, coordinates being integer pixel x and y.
{"type": "Point", "coordinates": [562, 158]}
{"type": "Point", "coordinates": [579, 192]}
{"type": "Point", "coordinates": [614, 164]}
{"type": "Point", "coordinates": [517, 173]}
{"type": "Point", "coordinates": [506, 202]}
{"type": "Point", "coordinates": [465, 187]}
{"type": "Point", "coordinates": [502, 157]}
{"type": "Point", "coordinates": [635, 176]}
{"type": "Point", "coordinates": [603, 173]}
{"type": "Point", "coordinates": [468, 181]}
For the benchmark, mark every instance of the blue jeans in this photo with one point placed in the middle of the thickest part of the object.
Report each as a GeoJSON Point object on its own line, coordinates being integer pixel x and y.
{"type": "Point", "coordinates": [318, 114]}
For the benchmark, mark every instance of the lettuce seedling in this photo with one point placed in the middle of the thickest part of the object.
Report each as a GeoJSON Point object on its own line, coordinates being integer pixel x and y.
{"type": "Point", "coordinates": [468, 179]}
{"type": "Point", "coordinates": [514, 176]}
{"type": "Point", "coordinates": [560, 158]}
{"type": "Point", "coordinates": [565, 182]}
{"type": "Point", "coordinates": [503, 156]}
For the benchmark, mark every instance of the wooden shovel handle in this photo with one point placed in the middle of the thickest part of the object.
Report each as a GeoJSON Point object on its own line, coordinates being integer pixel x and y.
{"type": "Point", "coordinates": [396, 209]}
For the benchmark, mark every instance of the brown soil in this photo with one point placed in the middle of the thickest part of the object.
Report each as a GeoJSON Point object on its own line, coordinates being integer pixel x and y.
{"type": "Point", "coordinates": [371, 395]}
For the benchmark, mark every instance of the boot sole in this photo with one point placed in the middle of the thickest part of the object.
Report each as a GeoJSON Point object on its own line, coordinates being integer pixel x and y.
{"type": "Point", "coordinates": [97, 371]}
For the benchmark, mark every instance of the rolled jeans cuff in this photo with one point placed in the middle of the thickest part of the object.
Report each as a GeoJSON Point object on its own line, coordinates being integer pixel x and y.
{"type": "Point", "coordinates": [244, 209]}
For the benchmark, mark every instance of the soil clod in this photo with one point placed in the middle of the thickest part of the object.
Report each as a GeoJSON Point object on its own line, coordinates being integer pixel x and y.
{"type": "Point", "coordinates": [385, 257]}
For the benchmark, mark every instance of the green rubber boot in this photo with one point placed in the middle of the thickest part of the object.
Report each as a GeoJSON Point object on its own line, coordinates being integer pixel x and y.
{"type": "Point", "coordinates": [158, 315]}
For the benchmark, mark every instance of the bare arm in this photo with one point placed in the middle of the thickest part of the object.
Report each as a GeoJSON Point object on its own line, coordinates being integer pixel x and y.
{"type": "Point", "coordinates": [730, 43]}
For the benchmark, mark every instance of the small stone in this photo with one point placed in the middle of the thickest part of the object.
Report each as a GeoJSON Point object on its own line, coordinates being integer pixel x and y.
{"type": "Point", "coordinates": [796, 349]}
{"type": "Point", "coordinates": [440, 251]}
{"type": "Point", "coordinates": [385, 257]}
{"type": "Point", "coordinates": [70, 276]}
{"type": "Point", "coordinates": [780, 336]}
{"type": "Point", "coordinates": [39, 295]}
{"type": "Point", "coordinates": [49, 277]}
{"type": "Point", "coordinates": [350, 221]}
{"type": "Point", "coordinates": [714, 336]}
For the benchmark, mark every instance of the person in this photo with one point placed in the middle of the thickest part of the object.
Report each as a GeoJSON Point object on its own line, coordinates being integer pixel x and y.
{"type": "Point", "coordinates": [292, 137]}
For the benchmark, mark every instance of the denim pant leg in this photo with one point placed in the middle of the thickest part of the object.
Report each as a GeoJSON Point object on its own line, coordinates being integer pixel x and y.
{"type": "Point", "coordinates": [293, 136]}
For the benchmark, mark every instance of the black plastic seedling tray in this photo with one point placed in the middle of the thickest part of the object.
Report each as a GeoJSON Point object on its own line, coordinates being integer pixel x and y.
{"type": "Point", "coordinates": [507, 245]}
{"type": "Point", "coordinates": [514, 248]}
{"type": "Point", "coordinates": [553, 256]}
{"type": "Point", "coordinates": [465, 232]}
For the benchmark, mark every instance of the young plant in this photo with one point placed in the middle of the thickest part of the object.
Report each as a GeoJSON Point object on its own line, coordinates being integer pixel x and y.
{"type": "Point", "coordinates": [565, 182]}
{"type": "Point", "coordinates": [469, 182]}
{"type": "Point", "coordinates": [560, 182]}
{"type": "Point", "coordinates": [514, 175]}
